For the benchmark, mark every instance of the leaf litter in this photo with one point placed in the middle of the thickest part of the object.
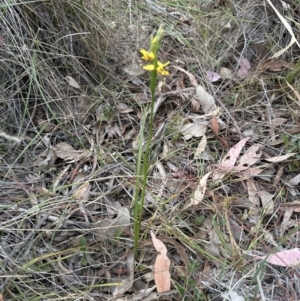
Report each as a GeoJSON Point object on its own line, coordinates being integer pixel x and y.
{"type": "Point", "coordinates": [217, 193]}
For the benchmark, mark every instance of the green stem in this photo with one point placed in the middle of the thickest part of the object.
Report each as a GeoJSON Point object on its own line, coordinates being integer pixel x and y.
{"type": "Point", "coordinates": [139, 202]}
{"type": "Point", "coordinates": [143, 157]}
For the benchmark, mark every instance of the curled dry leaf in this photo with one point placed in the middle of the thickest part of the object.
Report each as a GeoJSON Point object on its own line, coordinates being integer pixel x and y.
{"type": "Point", "coordinates": [190, 75]}
{"type": "Point", "coordinates": [162, 276]}
{"type": "Point", "coordinates": [195, 105]}
{"type": "Point", "coordinates": [66, 152]}
{"type": "Point", "coordinates": [82, 192]}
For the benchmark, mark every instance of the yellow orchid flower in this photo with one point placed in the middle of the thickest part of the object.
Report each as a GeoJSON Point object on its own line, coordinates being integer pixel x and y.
{"type": "Point", "coordinates": [146, 55]}
{"type": "Point", "coordinates": [160, 68]}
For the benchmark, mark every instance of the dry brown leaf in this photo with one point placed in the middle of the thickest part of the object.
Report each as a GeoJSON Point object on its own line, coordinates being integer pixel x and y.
{"type": "Point", "coordinates": [115, 227]}
{"type": "Point", "coordinates": [215, 244]}
{"type": "Point", "coordinates": [232, 155]}
{"type": "Point", "coordinates": [285, 222]}
{"type": "Point", "coordinates": [229, 160]}
{"type": "Point", "coordinates": [294, 181]}
{"type": "Point", "coordinates": [123, 108]}
{"type": "Point", "coordinates": [46, 158]}
{"type": "Point", "coordinates": [252, 193]}
{"type": "Point", "coordinates": [278, 121]}
{"type": "Point", "coordinates": [124, 285]}
{"type": "Point", "coordinates": [190, 75]}
{"type": "Point", "coordinates": [278, 176]}
{"type": "Point", "coordinates": [113, 131]}
{"type": "Point", "coordinates": [72, 82]}
{"type": "Point", "coordinates": [285, 258]}
{"type": "Point", "coordinates": [226, 73]}
{"type": "Point", "coordinates": [66, 152]}
{"type": "Point", "coordinates": [199, 192]}
{"type": "Point", "coordinates": [206, 101]}
{"type": "Point", "coordinates": [251, 156]}
{"type": "Point", "coordinates": [276, 65]}
{"type": "Point", "coordinates": [250, 172]}
{"type": "Point", "coordinates": [82, 192]}
{"type": "Point", "coordinates": [162, 276]}
{"type": "Point", "coordinates": [215, 125]}
{"type": "Point", "coordinates": [245, 66]}
{"type": "Point", "coordinates": [159, 245]}
{"type": "Point", "coordinates": [266, 201]}
{"type": "Point", "coordinates": [212, 76]}
{"type": "Point", "coordinates": [295, 92]}
{"type": "Point", "coordinates": [195, 105]}
{"type": "Point", "coordinates": [201, 147]}
{"type": "Point", "coordinates": [223, 141]}
{"type": "Point", "coordinates": [196, 129]}
{"type": "Point", "coordinates": [275, 142]}
{"type": "Point", "coordinates": [133, 69]}
{"type": "Point", "coordinates": [280, 158]}
{"type": "Point", "coordinates": [294, 204]}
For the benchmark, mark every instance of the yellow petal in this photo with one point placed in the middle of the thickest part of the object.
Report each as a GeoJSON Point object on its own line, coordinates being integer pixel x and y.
{"type": "Point", "coordinates": [160, 68]}
{"type": "Point", "coordinates": [146, 55]}
{"type": "Point", "coordinates": [163, 72]}
{"type": "Point", "coordinates": [149, 67]}
{"type": "Point", "coordinates": [159, 64]}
